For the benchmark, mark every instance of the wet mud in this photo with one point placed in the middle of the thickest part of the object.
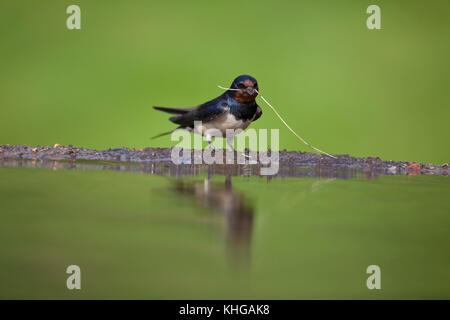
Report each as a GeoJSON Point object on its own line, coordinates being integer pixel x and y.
{"type": "Point", "coordinates": [158, 161]}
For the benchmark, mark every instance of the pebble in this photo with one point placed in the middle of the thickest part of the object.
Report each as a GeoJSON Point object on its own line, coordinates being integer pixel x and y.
{"type": "Point", "coordinates": [392, 169]}
{"type": "Point", "coordinates": [414, 166]}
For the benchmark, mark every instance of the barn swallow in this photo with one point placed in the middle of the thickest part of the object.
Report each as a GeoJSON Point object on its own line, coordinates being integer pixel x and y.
{"type": "Point", "coordinates": [234, 109]}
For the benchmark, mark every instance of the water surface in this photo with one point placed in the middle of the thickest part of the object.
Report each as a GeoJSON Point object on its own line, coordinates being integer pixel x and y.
{"type": "Point", "coordinates": [213, 235]}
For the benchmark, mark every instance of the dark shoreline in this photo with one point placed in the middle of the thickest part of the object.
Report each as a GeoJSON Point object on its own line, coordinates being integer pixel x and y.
{"type": "Point", "coordinates": [291, 163]}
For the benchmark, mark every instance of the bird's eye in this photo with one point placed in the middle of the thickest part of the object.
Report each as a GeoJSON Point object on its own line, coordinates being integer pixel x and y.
{"type": "Point", "coordinates": [241, 86]}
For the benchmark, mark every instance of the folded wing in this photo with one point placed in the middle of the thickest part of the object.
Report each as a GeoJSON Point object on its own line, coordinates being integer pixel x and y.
{"type": "Point", "coordinates": [205, 113]}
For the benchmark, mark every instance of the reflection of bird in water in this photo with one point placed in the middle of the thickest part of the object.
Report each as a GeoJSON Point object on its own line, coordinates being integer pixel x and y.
{"type": "Point", "coordinates": [238, 215]}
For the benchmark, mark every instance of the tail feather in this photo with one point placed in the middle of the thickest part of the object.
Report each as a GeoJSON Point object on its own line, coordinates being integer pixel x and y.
{"type": "Point", "coordinates": [174, 110]}
{"type": "Point", "coordinates": [165, 133]}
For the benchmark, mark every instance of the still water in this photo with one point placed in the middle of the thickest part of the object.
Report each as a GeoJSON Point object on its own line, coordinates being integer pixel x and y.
{"type": "Point", "coordinates": [189, 233]}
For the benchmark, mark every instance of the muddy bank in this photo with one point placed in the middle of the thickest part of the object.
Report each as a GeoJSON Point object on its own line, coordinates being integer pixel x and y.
{"type": "Point", "coordinates": [158, 161]}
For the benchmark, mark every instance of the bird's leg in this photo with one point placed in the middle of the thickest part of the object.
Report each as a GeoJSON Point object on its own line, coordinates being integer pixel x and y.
{"type": "Point", "coordinates": [208, 139]}
{"type": "Point", "coordinates": [230, 142]}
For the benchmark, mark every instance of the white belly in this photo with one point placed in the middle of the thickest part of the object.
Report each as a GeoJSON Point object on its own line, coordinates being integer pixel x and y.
{"type": "Point", "coordinates": [221, 124]}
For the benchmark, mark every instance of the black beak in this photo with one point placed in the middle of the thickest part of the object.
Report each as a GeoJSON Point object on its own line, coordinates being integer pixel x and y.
{"type": "Point", "coordinates": [250, 90]}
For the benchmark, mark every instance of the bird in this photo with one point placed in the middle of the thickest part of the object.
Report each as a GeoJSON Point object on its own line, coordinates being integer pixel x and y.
{"type": "Point", "coordinates": [235, 109]}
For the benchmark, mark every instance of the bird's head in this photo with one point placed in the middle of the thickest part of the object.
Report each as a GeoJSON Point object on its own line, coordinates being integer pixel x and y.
{"type": "Point", "coordinates": [245, 89]}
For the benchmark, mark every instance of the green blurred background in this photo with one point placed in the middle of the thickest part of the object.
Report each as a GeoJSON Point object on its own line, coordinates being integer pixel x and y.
{"type": "Point", "coordinates": [344, 88]}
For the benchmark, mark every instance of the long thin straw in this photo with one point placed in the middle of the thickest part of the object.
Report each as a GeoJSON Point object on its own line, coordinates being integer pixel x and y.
{"type": "Point", "coordinates": [282, 120]}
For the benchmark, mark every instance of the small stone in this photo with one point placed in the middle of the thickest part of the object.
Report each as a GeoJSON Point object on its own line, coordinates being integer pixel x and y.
{"type": "Point", "coordinates": [34, 149]}
{"type": "Point", "coordinates": [414, 166]}
{"type": "Point", "coordinates": [392, 169]}
{"type": "Point", "coordinates": [57, 146]}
